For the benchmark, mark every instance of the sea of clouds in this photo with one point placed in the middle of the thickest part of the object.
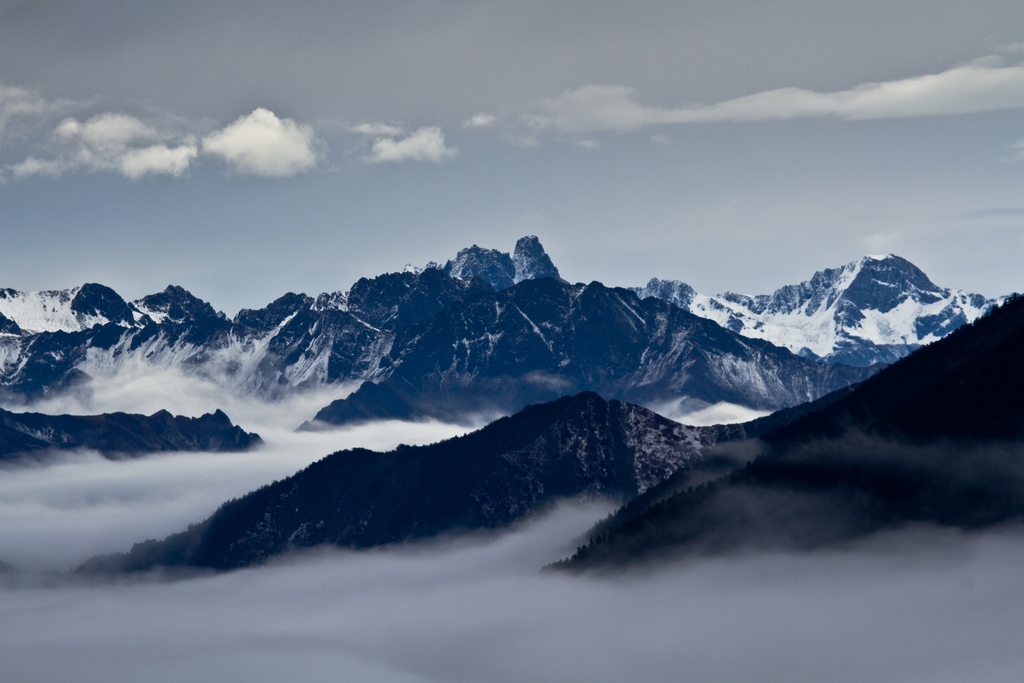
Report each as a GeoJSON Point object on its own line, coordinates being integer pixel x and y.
{"type": "Point", "coordinates": [914, 605]}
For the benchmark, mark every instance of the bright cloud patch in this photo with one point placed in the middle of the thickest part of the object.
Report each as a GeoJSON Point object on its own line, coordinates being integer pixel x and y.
{"type": "Point", "coordinates": [985, 85]}
{"type": "Point", "coordinates": [112, 142]}
{"type": "Point", "coordinates": [263, 144]}
{"type": "Point", "coordinates": [424, 144]}
{"type": "Point", "coordinates": [480, 121]}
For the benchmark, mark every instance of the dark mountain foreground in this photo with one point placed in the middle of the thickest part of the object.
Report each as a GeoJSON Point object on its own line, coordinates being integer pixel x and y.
{"type": "Point", "coordinates": [31, 435]}
{"type": "Point", "coordinates": [579, 446]}
{"type": "Point", "coordinates": [937, 438]}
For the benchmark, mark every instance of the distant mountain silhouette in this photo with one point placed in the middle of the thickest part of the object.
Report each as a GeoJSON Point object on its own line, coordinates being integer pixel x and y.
{"type": "Point", "coordinates": [31, 435]}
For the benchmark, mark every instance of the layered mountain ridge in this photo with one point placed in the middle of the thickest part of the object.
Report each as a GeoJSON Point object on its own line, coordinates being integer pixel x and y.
{"type": "Point", "coordinates": [498, 351]}
{"type": "Point", "coordinates": [936, 438]}
{"type": "Point", "coordinates": [489, 332]}
{"type": "Point", "coordinates": [578, 446]}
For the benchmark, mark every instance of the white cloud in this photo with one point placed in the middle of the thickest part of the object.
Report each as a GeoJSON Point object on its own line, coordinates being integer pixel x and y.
{"type": "Point", "coordinates": [984, 85]}
{"type": "Point", "coordinates": [259, 144]}
{"type": "Point", "coordinates": [106, 132]}
{"type": "Point", "coordinates": [378, 129]}
{"type": "Point", "coordinates": [424, 144]}
{"type": "Point", "coordinates": [480, 120]}
{"type": "Point", "coordinates": [111, 142]}
{"type": "Point", "coordinates": [32, 166]}
{"type": "Point", "coordinates": [157, 159]}
{"type": "Point", "coordinates": [263, 144]}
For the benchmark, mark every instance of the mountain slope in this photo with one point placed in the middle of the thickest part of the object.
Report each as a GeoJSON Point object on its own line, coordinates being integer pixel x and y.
{"type": "Point", "coordinates": [24, 435]}
{"type": "Point", "coordinates": [877, 309]}
{"type": "Point", "coordinates": [938, 437]}
{"type": "Point", "coordinates": [575, 446]}
{"type": "Point", "coordinates": [498, 351]}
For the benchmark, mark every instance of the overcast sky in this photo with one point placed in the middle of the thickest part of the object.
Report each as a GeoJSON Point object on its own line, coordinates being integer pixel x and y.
{"type": "Point", "coordinates": [243, 150]}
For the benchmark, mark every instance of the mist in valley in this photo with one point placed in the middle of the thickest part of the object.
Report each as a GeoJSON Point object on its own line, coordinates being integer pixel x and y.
{"type": "Point", "coordinates": [917, 604]}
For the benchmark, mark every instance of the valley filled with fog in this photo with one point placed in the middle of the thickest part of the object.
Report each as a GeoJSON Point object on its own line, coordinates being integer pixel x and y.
{"type": "Point", "coordinates": [914, 605]}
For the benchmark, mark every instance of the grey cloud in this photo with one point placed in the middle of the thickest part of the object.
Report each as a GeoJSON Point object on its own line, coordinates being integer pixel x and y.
{"type": "Point", "coordinates": [18, 105]}
{"type": "Point", "coordinates": [984, 85]}
{"type": "Point", "coordinates": [1017, 150]}
{"type": "Point", "coordinates": [481, 120]}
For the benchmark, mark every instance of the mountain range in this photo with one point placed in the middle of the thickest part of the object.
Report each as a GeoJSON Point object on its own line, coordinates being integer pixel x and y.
{"type": "Point", "coordinates": [488, 333]}
{"type": "Point", "coordinates": [575, 446]}
{"type": "Point", "coordinates": [875, 310]}
{"type": "Point", "coordinates": [936, 438]}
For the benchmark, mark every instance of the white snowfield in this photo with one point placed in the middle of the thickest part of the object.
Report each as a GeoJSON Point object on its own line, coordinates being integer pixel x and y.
{"type": "Point", "coordinates": [850, 306]}
{"type": "Point", "coordinates": [47, 311]}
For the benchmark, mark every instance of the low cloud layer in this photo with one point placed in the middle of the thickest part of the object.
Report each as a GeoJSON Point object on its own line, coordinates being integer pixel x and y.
{"type": "Point", "coordinates": [76, 505]}
{"type": "Point", "coordinates": [917, 606]}
{"type": "Point", "coordinates": [984, 85]}
{"type": "Point", "coordinates": [257, 144]}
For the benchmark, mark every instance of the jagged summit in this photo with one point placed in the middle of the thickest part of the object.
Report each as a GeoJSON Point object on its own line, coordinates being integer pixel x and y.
{"type": "Point", "coordinates": [876, 309]}
{"type": "Point", "coordinates": [528, 261]}
{"type": "Point", "coordinates": [531, 261]}
{"type": "Point", "coordinates": [491, 265]}
{"type": "Point", "coordinates": [177, 305]}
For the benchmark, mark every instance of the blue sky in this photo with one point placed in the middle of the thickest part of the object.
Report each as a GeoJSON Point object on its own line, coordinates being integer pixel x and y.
{"type": "Point", "coordinates": [243, 150]}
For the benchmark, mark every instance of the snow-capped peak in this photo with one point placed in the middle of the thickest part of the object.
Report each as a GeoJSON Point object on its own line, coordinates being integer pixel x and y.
{"type": "Point", "coordinates": [65, 310]}
{"type": "Point", "coordinates": [878, 308]}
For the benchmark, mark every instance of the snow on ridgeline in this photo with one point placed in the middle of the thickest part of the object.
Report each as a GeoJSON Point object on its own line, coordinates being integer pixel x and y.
{"type": "Point", "coordinates": [877, 309]}
{"type": "Point", "coordinates": [67, 310]}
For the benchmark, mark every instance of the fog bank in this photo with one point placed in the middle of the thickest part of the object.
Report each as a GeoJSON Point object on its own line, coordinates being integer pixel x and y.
{"type": "Point", "coordinates": [58, 514]}
{"type": "Point", "coordinates": [924, 605]}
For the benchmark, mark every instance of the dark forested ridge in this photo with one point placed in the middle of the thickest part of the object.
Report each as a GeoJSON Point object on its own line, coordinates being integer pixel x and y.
{"type": "Point", "coordinates": [27, 435]}
{"type": "Point", "coordinates": [579, 445]}
{"type": "Point", "coordinates": [936, 438]}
